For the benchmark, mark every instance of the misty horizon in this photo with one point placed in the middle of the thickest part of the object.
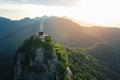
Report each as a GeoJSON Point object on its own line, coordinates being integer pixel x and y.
{"type": "Point", "coordinates": [102, 12]}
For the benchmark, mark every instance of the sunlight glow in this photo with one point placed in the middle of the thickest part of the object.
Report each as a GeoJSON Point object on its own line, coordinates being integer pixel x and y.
{"type": "Point", "coordinates": [102, 12]}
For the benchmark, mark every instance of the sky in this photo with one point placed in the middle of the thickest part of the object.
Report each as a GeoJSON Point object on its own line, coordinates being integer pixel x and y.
{"type": "Point", "coordinates": [100, 12]}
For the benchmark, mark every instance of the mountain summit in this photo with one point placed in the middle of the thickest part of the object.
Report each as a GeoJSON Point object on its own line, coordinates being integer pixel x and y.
{"type": "Point", "coordinates": [41, 59]}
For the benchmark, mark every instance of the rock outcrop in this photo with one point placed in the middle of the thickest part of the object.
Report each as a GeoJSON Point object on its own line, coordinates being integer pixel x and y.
{"type": "Point", "coordinates": [41, 59]}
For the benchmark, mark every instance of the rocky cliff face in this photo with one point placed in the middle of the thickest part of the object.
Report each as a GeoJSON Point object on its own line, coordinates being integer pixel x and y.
{"type": "Point", "coordinates": [39, 58]}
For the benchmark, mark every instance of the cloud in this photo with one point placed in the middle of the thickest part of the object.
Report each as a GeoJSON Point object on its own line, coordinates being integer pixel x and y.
{"type": "Point", "coordinates": [45, 2]}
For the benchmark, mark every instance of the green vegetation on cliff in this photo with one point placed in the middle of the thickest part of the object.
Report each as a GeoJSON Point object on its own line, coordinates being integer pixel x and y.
{"type": "Point", "coordinates": [82, 65]}
{"type": "Point", "coordinates": [52, 51]}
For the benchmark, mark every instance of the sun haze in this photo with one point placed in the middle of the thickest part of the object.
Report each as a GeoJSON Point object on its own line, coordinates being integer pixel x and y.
{"type": "Point", "coordinates": [101, 12]}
